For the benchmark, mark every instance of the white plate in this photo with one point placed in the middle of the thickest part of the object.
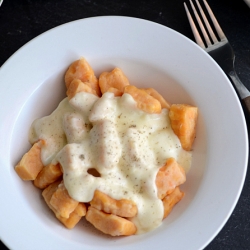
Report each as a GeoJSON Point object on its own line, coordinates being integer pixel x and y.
{"type": "Point", "coordinates": [150, 55]}
{"type": "Point", "coordinates": [247, 2]}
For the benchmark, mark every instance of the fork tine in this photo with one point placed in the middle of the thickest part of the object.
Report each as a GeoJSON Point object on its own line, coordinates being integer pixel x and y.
{"type": "Point", "coordinates": [194, 29]}
{"type": "Point", "coordinates": [215, 22]}
{"type": "Point", "coordinates": [210, 31]}
{"type": "Point", "coordinates": [200, 24]}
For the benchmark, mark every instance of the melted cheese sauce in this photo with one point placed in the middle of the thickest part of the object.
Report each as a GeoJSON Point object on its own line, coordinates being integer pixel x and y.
{"type": "Point", "coordinates": [124, 144]}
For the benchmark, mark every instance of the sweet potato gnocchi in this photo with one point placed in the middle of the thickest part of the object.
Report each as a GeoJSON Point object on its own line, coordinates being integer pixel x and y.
{"type": "Point", "coordinates": [111, 152]}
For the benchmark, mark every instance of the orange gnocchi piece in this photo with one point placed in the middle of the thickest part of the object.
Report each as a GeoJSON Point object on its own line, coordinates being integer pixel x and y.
{"type": "Point", "coordinates": [62, 203]}
{"type": "Point", "coordinates": [169, 177]}
{"type": "Point", "coordinates": [110, 81]}
{"type": "Point", "coordinates": [159, 97]}
{"type": "Point", "coordinates": [116, 92]}
{"type": "Point", "coordinates": [48, 175]}
{"type": "Point", "coordinates": [144, 101]}
{"type": "Point", "coordinates": [77, 86]}
{"type": "Point", "coordinates": [123, 207]}
{"type": "Point", "coordinates": [183, 119]}
{"type": "Point", "coordinates": [31, 164]}
{"type": "Point", "coordinates": [74, 217]}
{"type": "Point", "coordinates": [109, 223]}
{"type": "Point", "coordinates": [81, 70]}
{"type": "Point", "coordinates": [170, 200]}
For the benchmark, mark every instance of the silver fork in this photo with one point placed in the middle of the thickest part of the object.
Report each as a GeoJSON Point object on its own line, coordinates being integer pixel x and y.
{"type": "Point", "coordinates": [221, 51]}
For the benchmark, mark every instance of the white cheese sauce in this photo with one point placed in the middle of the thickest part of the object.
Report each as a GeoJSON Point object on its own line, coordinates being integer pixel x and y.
{"type": "Point", "coordinates": [124, 144]}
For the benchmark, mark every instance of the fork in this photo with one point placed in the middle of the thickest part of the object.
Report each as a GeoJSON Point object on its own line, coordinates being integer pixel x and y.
{"type": "Point", "coordinates": [221, 51]}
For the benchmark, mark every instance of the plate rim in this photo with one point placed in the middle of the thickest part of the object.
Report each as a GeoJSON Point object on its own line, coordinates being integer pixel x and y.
{"type": "Point", "coordinates": [245, 128]}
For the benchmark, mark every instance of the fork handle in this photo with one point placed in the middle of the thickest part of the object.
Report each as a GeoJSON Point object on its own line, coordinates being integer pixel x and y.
{"type": "Point", "coordinates": [247, 103]}
{"type": "Point", "coordinates": [243, 92]}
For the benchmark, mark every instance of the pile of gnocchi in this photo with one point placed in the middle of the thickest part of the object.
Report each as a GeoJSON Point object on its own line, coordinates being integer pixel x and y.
{"type": "Point", "coordinates": [107, 213]}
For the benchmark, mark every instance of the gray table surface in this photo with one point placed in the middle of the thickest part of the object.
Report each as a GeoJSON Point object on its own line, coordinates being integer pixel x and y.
{"type": "Point", "coordinates": [22, 20]}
